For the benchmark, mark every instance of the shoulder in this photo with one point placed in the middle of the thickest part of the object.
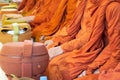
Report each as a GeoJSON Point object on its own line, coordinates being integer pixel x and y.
{"type": "Point", "coordinates": [113, 11]}
{"type": "Point", "coordinates": [113, 6]}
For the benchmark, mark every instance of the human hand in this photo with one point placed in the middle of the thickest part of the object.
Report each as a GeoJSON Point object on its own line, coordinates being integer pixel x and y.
{"type": "Point", "coordinates": [48, 42]}
{"type": "Point", "coordinates": [54, 51]}
{"type": "Point", "coordinates": [28, 18]}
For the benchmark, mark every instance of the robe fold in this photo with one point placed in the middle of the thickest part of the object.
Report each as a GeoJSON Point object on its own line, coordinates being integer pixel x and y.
{"type": "Point", "coordinates": [89, 39]}
{"type": "Point", "coordinates": [52, 26]}
{"type": "Point", "coordinates": [37, 7]}
{"type": "Point", "coordinates": [22, 5]}
{"type": "Point", "coordinates": [89, 77]}
{"type": "Point", "coordinates": [46, 13]}
{"type": "Point", "coordinates": [70, 9]}
{"type": "Point", "coordinates": [28, 6]}
{"type": "Point", "coordinates": [111, 74]}
{"type": "Point", "coordinates": [106, 59]}
{"type": "Point", "coordinates": [60, 39]}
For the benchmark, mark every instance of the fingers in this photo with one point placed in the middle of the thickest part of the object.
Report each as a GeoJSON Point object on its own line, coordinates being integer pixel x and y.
{"type": "Point", "coordinates": [55, 51]}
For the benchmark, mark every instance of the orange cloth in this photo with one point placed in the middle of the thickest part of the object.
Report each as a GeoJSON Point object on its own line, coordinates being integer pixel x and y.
{"type": "Point", "coordinates": [38, 6]}
{"type": "Point", "coordinates": [59, 36]}
{"type": "Point", "coordinates": [112, 74]}
{"type": "Point", "coordinates": [50, 27]}
{"type": "Point", "coordinates": [22, 5]}
{"type": "Point", "coordinates": [82, 51]}
{"type": "Point", "coordinates": [106, 58]}
{"type": "Point", "coordinates": [28, 6]}
{"type": "Point", "coordinates": [89, 77]}
{"type": "Point", "coordinates": [46, 13]}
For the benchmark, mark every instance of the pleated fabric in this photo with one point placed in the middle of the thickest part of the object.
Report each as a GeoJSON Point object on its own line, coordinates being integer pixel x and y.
{"type": "Point", "coordinates": [50, 27]}
{"type": "Point", "coordinates": [88, 43]}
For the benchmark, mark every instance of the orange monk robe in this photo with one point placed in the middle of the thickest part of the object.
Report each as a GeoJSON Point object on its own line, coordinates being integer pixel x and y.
{"type": "Point", "coordinates": [70, 9]}
{"type": "Point", "coordinates": [71, 6]}
{"type": "Point", "coordinates": [46, 13]}
{"type": "Point", "coordinates": [65, 38]}
{"type": "Point", "coordinates": [38, 6]}
{"type": "Point", "coordinates": [111, 74]}
{"type": "Point", "coordinates": [22, 5]}
{"type": "Point", "coordinates": [107, 58]}
{"type": "Point", "coordinates": [49, 28]}
{"type": "Point", "coordinates": [69, 32]}
{"type": "Point", "coordinates": [88, 44]}
{"type": "Point", "coordinates": [89, 77]}
{"type": "Point", "coordinates": [110, 70]}
{"type": "Point", "coordinates": [29, 5]}
{"type": "Point", "coordinates": [118, 1]}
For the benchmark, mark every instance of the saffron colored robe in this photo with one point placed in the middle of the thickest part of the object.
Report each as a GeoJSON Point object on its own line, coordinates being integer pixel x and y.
{"type": "Point", "coordinates": [50, 27]}
{"type": "Point", "coordinates": [88, 44]}
{"type": "Point", "coordinates": [60, 39]}
{"type": "Point", "coordinates": [22, 5]}
{"type": "Point", "coordinates": [89, 77]}
{"type": "Point", "coordinates": [37, 8]}
{"type": "Point", "coordinates": [70, 9]}
{"type": "Point", "coordinates": [59, 35]}
{"type": "Point", "coordinates": [46, 13]}
{"type": "Point", "coordinates": [111, 74]}
{"type": "Point", "coordinates": [107, 58]}
{"type": "Point", "coordinates": [29, 5]}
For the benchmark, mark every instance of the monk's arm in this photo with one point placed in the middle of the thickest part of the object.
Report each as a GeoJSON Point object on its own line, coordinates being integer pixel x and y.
{"type": "Point", "coordinates": [113, 29]}
{"type": "Point", "coordinates": [43, 14]}
{"type": "Point", "coordinates": [113, 24]}
{"type": "Point", "coordinates": [73, 44]}
{"type": "Point", "coordinates": [113, 20]}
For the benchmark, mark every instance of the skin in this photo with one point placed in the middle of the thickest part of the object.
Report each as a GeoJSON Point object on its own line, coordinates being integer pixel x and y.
{"type": "Point", "coordinates": [70, 64]}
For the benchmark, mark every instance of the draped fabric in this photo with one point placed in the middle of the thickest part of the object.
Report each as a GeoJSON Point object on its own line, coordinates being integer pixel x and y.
{"type": "Point", "coordinates": [46, 13]}
{"type": "Point", "coordinates": [88, 43]}
{"type": "Point", "coordinates": [70, 34]}
{"type": "Point", "coordinates": [89, 77]}
{"type": "Point", "coordinates": [50, 27]}
{"type": "Point", "coordinates": [107, 58]}
{"type": "Point", "coordinates": [75, 21]}
{"type": "Point", "coordinates": [22, 5]}
{"type": "Point", "coordinates": [37, 8]}
{"type": "Point", "coordinates": [28, 6]}
{"type": "Point", "coordinates": [118, 1]}
{"type": "Point", "coordinates": [111, 74]}
{"type": "Point", "coordinates": [70, 9]}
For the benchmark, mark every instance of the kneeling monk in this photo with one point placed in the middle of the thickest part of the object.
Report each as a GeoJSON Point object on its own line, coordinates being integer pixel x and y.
{"type": "Point", "coordinates": [95, 18]}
